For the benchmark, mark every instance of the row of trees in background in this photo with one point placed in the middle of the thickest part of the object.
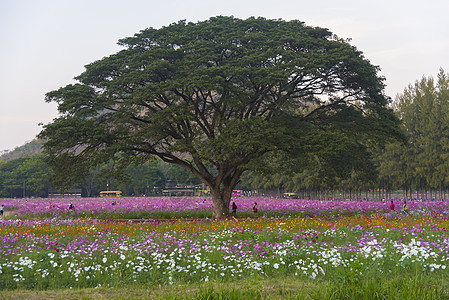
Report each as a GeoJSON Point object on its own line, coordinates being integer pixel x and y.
{"type": "Point", "coordinates": [421, 164]}
{"type": "Point", "coordinates": [30, 176]}
{"type": "Point", "coordinates": [29, 173]}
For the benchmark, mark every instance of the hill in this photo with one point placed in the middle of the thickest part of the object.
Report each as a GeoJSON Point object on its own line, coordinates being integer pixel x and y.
{"type": "Point", "coordinates": [29, 149]}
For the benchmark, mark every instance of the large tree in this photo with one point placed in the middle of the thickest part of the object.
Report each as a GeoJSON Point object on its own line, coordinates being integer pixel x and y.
{"type": "Point", "coordinates": [218, 97]}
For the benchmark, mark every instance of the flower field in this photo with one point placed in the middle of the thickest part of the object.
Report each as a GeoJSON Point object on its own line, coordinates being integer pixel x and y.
{"type": "Point", "coordinates": [360, 246]}
{"type": "Point", "coordinates": [182, 207]}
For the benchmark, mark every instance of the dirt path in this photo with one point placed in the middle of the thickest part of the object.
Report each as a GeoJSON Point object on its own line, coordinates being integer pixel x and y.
{"type": "Point", "coordinates": [6, 214]}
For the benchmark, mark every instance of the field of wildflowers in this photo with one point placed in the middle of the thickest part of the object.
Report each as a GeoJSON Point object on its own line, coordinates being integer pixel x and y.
{"type": "Point", "coordinates": [349, 247]}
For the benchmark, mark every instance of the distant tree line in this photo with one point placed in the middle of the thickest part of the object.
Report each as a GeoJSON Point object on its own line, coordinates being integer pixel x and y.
{"type": "Point", "coordinates": [418, 165]}
{"type": "Point", "coordinates": [26, 176]}
{"type": "Point", "coordinates": [422, 163]}
{"type": "Point", "coordinates": [30, 176]}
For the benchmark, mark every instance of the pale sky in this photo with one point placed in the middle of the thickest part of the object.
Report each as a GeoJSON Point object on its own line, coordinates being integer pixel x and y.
{"type": "Point", "coordinates": [44, 44]}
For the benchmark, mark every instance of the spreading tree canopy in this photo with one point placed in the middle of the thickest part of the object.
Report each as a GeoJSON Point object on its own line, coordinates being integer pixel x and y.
{"type": "Point", "coordinates": [221, 96]}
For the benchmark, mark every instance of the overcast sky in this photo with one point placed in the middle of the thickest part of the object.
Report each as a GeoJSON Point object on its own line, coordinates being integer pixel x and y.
{"type": "Point", "coordinates": [45, 43]}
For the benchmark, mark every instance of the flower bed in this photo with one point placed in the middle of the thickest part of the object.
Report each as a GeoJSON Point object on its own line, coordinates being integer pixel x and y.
{"type": "Point", "coordinates": [330, 246]}
{"type": "Point", "coordinates": [200, 207]}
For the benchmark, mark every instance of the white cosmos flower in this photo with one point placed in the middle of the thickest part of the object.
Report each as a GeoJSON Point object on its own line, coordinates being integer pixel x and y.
{"type": "Point", "coordinates": [105, 259]}
{"type": "Point", "coordinates": [276, 266]}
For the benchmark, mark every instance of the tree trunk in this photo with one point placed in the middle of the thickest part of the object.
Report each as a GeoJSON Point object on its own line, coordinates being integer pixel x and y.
{"type": "Point", "coordinates": [221, 199]}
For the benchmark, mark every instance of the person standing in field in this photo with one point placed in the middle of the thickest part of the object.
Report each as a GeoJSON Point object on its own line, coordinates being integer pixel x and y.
{"type": "Point", "coordinates": [2, 210]}
{"type": "Point", "coordinates": [404, 208]}
{"type": "Point", "coordinates": [234, 208]}
{"type": "Point", "coordinates": [392, 206]}
{"type": "Point", "coordinates": [255, 209]}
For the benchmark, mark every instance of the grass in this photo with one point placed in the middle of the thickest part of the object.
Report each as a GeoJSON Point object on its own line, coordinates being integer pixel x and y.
{"type": "Point", "coordinates": [280, 288]}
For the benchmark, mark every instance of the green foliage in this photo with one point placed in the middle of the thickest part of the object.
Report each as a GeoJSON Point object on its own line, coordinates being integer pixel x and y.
{"type": "Point", "coordinates": [416, 161]}
{"type": "Point", "coordinates": [421, 162]}
{"type": "Point", "coordinates": [27, 176]}
{"type": "Point", "coordinates": [177, 174]}
{"type": "Point", "coordinates": [30, 177]}
{"type": "Point", "coordinates": [143, 179]}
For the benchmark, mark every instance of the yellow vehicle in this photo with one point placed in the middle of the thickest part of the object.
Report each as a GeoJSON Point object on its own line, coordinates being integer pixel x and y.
{"type": "Point", "coordinates": [112, 194]}
{"type": "Point", "coordinates": [290, 195]}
